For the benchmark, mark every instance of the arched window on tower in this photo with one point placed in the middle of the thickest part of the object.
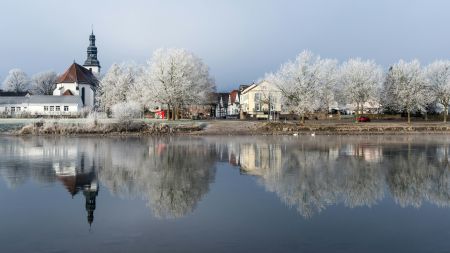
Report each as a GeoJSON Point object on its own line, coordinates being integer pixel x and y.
{"type": "Point", "coordinates": [82, 96]}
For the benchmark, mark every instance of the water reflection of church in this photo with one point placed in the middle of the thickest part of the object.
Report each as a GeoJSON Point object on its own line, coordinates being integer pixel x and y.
{"type": "Point", "coordinates": [80, 176]}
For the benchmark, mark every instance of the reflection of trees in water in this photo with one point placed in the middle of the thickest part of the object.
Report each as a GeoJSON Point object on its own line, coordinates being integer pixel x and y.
{"type": "Point", "coordinates": [303, 181]}
{"type": "Point", "coordinates": [415, 175]}
{"type": "Point", "coordinates": [172, 176]}
{"type": "Point", "coordinates": [313, 175]}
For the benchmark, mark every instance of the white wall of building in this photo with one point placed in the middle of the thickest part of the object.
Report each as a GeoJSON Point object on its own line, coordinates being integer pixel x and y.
{"type": "Point", "coordinates": [53, 109]}
{"type": "Point", "coordinates": [255, 99]}
{"type": "Point", "coordinates": [89, 94]}
{"type": "Point", "coordinates": [62, 87]}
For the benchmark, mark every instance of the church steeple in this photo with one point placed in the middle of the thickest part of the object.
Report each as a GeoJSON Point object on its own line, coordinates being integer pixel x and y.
{"type": "Point", "coordinates": [92, 62]}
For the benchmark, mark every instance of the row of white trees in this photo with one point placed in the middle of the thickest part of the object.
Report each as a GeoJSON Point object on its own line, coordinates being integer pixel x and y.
{"type": "Point", "coordinates": [42, 83]}
{"type": "Point", "coordinates": [310, 84]}
{"type": "Point", "coordinates": [171, 79]}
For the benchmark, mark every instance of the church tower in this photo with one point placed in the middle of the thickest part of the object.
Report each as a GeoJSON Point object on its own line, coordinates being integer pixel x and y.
{"type": "Point", "coordinates": [92, 62]}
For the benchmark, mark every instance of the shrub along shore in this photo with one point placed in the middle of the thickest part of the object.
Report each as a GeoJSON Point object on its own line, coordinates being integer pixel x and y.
{"type": "Point", "coordinates": [223, 127]}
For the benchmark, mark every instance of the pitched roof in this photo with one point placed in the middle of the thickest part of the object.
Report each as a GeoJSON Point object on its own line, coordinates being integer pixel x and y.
{"type": "Point", "coordinates": [79, 74]}
{"type": "Point", "coordinates": [67, 93]}
{"type": "Point", "coordinates": [233, 95]}
{"type": "Point", "coordinates": [43, 99]}
{"type": "Point", "coordinates": [12, 100]}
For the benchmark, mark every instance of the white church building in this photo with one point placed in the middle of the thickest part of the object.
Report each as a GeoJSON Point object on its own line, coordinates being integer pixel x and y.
{"type": "Point", "coordinates": [75, 91]}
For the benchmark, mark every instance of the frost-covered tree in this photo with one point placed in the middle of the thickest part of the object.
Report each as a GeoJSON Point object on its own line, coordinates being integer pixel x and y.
{"type": "Point", "coordinates": [327, 83]}
{"type": "Point", "coordinates": [360, 82]}
{"type": "Point", "coordinates": [44, 83]}
{"type": "Point", "coordinates": [438, 75]}
{"type": "Point", "coordinates": [408, 89]}
{"type": "Point", "coordinates": [126, 111]}
{"type": "Point", "coordinates": [16, 81]}
{"type": "Point", "coordinates": [118, 85]}
{"type": "Point", "coordinates": [175, 78]}
{"type": "Point", "coordinates": [301, 82]}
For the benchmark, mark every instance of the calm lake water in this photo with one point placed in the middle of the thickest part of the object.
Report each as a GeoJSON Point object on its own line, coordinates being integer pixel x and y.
{"type": "Point", "coordinates": [225, 194]}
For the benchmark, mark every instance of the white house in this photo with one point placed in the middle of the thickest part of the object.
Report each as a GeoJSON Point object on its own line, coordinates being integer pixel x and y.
{"type": "Point", "coordinates": [261, 100]}
{"type": "Point", "coordinates": [41, 105]}
{"type": "Point", "coordinates": [233, 109]}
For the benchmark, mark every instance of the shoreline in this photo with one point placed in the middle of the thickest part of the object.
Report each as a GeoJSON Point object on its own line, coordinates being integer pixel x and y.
{"type": "Point", "coordinates": [216, 128]}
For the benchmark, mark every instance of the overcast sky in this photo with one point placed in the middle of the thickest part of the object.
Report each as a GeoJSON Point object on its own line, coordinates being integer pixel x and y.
{"type": "Point", "coordinates": [240, 40]}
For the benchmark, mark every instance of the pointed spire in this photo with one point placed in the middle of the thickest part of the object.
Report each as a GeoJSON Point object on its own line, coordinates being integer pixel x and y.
{"type": "Point", "coordinates": [91, 60]}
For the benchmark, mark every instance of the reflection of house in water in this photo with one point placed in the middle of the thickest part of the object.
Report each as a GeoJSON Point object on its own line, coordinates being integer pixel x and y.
{"type": "Point", "coordinates": [255, 159]}
{"type": "Point", "coordinates": [369, 153]}
{"type": "Point", "coordinates": [80, 176]}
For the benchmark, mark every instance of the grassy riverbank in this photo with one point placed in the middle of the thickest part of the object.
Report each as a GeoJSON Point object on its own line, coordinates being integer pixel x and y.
{"type": "Point", "coordinates": [212, 127]}
{"type": "Point", "coordinates": [96, 127]}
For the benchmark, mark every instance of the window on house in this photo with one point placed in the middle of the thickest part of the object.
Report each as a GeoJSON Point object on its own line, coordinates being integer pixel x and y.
{"type": "Point", "coordinates": [18, 109]}
{"type": "Point", "coordinates": [52, 108]}
{"type": "Point", "coordinates": [66, 108]}
{"type": "Point", "coordinates": [257, 106]}
{"type": "Point", "coordinates": [45, 108]}
{"type": "Point", "coordinates": [13, 109]}
{"type": "Point", "coordinates": [257, 102]}
{"type": "Point", "coordinates": [58, 108]}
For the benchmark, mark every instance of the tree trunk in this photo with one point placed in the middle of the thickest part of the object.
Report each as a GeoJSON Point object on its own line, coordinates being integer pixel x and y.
{"type": "Point", "coordinates": [409, 117]}
{"type": "Point", "coordinates": [426, 116]}
{"type": "Point", "coordinates": [356, 112]}
{"type": "Point", "coordinates": [339, 114]}
{"type": "Point", "coordinates": [173, 113]}
{"type": "Point", "coordinates": [362, 109]}
{"type": "Point", "coordinates": [302, 119]}
{"type": "Point", "coordinates": [445, 114]}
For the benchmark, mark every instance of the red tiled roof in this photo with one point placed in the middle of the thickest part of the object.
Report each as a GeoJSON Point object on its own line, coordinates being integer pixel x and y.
{"type": "Point", "coordinates": [79, 74]}
{"type": "Point", "coordinates": [67, 93]}
{"type": "Point", "coordinates": [233, 95]}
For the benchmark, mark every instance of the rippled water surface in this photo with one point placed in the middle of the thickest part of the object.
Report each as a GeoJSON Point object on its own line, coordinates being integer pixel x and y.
{"type": "Point", "coordinates": [225, 194]}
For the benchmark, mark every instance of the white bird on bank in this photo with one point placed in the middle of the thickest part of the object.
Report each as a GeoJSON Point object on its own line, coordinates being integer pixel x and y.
{"type": "Point", "coordinates": [296, 134]}
{"type": "Point", "coordinates": [313, 134]}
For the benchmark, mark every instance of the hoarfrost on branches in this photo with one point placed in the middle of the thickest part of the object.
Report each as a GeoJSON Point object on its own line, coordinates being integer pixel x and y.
{"type": "Point", "coordinates": [438, 75]}
{"type": "Point", "coordinates": [125, 112]}
{"type": "Point", "coordinates": [360, 82]}
{"type": "Point", "coordinates": [303, 83]}
{"type": "Point", "coordinates": [16, 81]}
{"type": "Point", "coordinates": [118, 85]}
{"type": "Point", "coordinates": [408, 89]}
{"type": "Point", "coordinates": [175, 78]}
{"type": "Point", "coordinates": [44, 83]}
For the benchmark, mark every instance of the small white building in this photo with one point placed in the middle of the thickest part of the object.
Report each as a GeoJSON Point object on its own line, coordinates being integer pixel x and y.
{"type": "Point", "coordinates": [41, 105]}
